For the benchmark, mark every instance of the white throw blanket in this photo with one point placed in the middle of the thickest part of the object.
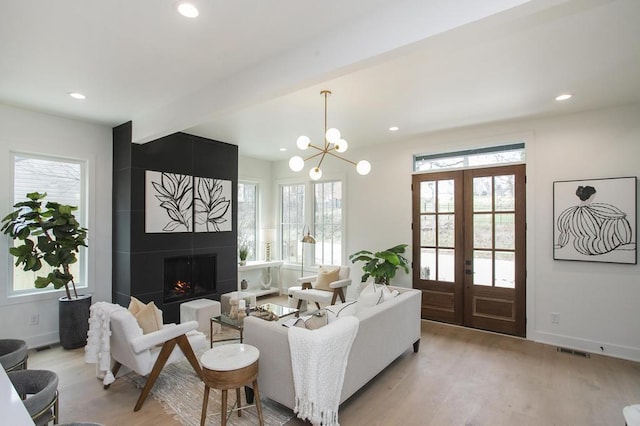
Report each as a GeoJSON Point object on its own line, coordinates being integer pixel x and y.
{"type": "Point", "coordinates": [98, 348]}
{"type": "Point", "coordinates": [319, 361]}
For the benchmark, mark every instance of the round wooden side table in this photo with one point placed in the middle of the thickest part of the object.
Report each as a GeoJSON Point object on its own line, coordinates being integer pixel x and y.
{"type": "Point", "coordinates": [230, 367]}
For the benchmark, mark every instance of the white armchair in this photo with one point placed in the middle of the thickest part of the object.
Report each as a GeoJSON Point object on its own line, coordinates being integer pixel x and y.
{"type": "Point", "coordinates": [321, 289]}
{"type": "Point", "coordinates": [142, 352]}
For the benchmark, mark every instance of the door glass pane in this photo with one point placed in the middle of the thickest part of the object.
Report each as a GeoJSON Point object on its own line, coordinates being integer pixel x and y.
{"type": "Point", "coordinates": [482, 267]}
{"type": "Point", "coordinates": [505, 231]}
{"type": "Point", "coordinates": [427, 263]}
{"type": "Point", "coordinates": [505, 269]}
{"type": "Point", "coordinates": [428, 230]}
{"type": "Point", "coordinates": [446, 230]}
{"type": "Point", "coordinates": [482, 231]}
{"type": "Point", "coordinates": [446, 265]}
{"type": "Point", "coordinates": [505, 192]}
{"type": "Point", "coordinates": [427, 197]}
{"type": "Point", "coordinates": [482, 194]}
{"type": "Point", "coordinates": [446, 196]}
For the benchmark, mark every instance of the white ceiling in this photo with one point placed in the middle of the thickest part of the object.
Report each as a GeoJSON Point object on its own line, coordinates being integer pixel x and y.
{"type": "Point", "coordinates": [250, 72]}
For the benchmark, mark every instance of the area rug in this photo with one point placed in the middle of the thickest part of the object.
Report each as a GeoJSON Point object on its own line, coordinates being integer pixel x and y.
{"type": "Point", "coordinates": [180, 392]}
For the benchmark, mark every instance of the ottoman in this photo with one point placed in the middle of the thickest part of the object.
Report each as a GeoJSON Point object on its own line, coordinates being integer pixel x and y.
{"type": "Point", "coordinates": [226, 304]}
{"type": "Point", "coordinates": [200, 310]}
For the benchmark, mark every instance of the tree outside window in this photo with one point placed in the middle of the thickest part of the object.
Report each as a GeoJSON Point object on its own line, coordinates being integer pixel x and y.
{"type": "Point", "coordinates": [63, 181]}
{"type": "Point", "coordinates": [247, 217]}
{"type": "Point", "coordinates": [292, 221]}
{"type": "Point", "coordinates": [327, 207]}
{"type": "Point", "coordinates": [323, 219]}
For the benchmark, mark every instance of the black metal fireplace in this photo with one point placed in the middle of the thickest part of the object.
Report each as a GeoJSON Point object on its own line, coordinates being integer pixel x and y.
{"type": "Point", "coordinates": [187, 277]}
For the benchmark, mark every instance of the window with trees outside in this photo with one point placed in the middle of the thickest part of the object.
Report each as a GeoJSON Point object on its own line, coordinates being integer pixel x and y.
{"type": "Point", "coordinates": [63, 180]}
{"type": "Point", "coordinates": [327, 208]}
{"type": "Point", "coordinates": [479, 157]}
{"type": "Point", "coordinates": [322, 218]}
{"type": "Point", "coordinates": [247, 217]}
{"type": "Point", "coordinates": [292, 220]}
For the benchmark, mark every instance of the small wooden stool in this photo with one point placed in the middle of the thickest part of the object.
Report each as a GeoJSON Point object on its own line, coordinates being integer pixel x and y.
{"type": "Point", "coordinates": [230, 367]}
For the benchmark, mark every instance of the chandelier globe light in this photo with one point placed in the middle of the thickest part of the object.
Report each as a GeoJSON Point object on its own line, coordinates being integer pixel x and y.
{"type": "Point", "coordinates": [303, 142]}
{"type": "Point", "coordinates": [333, 145]}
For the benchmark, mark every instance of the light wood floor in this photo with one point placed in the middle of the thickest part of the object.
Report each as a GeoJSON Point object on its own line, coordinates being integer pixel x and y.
{"type": "Point", "coordinates": [459, 377]}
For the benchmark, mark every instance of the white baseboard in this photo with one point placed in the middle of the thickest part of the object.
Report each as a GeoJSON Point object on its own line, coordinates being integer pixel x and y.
{"type": "Point", "coordinates": [617, 351]}
{"type": "Point", "coordinates": [42, 340]}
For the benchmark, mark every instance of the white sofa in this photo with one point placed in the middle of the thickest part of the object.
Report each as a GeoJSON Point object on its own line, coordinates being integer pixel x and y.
{"type": "Point", "coordinates": [385, 332]}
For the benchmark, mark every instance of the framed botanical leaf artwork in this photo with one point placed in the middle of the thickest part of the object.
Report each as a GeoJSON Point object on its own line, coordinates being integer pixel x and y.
{"type": "Point", "coordinates": [168, 202]}
{"type": "Point", "coordinates": [595, 220]}
{"type": "Point", "coordinates": [212, 203]}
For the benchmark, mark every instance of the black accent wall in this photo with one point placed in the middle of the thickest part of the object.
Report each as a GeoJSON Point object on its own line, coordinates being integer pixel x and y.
{"type": "Point", "coordinates": [138, 257]}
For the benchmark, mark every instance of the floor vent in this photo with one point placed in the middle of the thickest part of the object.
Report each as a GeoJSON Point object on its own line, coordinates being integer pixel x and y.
{"type": "Point", "coordinates": [43, 348]}
{"type": "Point", "coordinates": [574, 352]}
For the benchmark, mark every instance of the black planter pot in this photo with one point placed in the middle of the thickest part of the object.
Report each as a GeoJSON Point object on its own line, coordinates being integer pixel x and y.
{"type": "Point", "coordinates": [74, 321]}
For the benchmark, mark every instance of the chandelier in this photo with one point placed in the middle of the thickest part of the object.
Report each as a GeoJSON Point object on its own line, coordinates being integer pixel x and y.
{"type": "Point", "coordinates": [333, 145]}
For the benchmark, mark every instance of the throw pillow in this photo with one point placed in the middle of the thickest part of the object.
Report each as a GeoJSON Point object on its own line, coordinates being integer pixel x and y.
{"type": "Point", "coordinates": [135, 305]}
{"type": "Point", "coordinates": [149, 317]}
{"type": "Point", "coordinates": [372, 295]}
{"type": "Point", "coordinates": [325, 277]}
{"type": "Point", "coordinates": [341, 310]}
{"type": "Point", "coordinates": [386, 293]}
{"type": "Point", "coordinates": [312, 323]}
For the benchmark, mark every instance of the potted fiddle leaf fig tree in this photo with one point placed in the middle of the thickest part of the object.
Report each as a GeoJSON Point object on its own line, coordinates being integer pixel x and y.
{"type": "Point", "coordinates": [381, 265]}
{"type": "Point", "coordinates": [51, 235]}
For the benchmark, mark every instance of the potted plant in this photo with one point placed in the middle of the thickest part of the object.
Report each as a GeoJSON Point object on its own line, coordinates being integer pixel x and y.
{"type": "Point", "coordinates": [52, 235]}
{"type": "Point", "coordinates": [243, 252]}
{"type": "Point", "coordinates": [381, 265]}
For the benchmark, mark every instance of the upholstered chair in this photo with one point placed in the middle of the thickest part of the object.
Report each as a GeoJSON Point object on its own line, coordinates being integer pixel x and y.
{"type": "Point", "coordinates": [39, 392]}
{"type": "Point", "coordinates": [326, 287]}
{"type": "Point", "coordinates": [147, 354]}
{"type": "Point", "coordinates": [13, 354]}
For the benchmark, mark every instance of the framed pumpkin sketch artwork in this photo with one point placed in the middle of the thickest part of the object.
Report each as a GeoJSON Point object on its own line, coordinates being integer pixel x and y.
{"type": "Point", "coordinates": [594, 220]}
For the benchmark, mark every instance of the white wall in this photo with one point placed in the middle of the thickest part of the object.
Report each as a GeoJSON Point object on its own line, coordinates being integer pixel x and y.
{"type": "Point", "coordinates": [597, 303]}
{"type": "Point", "coordinates": [31, 132]}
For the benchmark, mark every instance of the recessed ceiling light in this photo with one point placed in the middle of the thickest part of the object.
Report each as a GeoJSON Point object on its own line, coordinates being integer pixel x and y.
{"type": "Point", "coordinates": [394, 128]}
{"type": "Point", "coordinates": [188, 10]}
{"type": "Point", "coordinates": [76, 95]}
{"type": "Point", "coordinates": [564, 97]}
{"type": "Point", "coordinates": [283, 149]}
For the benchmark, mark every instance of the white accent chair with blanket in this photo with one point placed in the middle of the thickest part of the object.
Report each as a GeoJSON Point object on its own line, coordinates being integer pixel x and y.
{"type": "Point", "coordinates": [148, 353]}
{"type": "Point", "coordinates": [326, 287]}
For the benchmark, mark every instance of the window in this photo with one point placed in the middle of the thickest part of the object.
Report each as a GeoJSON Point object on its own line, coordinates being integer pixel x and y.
{"type": "Point", "coordinates": [247, 217]}
{"type": "Point", "coordinates": [495, 155]}
{"type": "Point", "coordinates": [64, 182]}
{"type": "Point", "coordinates": [327, 208]}
{"type": "Point", "coordinates": [292, 221]}
{"type": "Point", "coordinates": [322, 217]}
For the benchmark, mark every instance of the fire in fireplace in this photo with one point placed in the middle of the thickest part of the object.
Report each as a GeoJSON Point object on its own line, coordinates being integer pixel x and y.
{"type": "Point", "coordinates": [186, 277]}
{"type": "Point", "coordinates": [181, 288]}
